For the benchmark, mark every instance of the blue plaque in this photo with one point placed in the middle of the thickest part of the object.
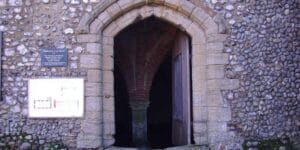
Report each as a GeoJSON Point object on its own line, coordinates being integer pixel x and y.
{"type": "Point", "coordinates": [54, 57]}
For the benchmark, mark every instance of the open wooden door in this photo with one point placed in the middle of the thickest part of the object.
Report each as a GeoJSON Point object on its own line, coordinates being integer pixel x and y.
{"type": "Point", "coordinates": [181, 131]}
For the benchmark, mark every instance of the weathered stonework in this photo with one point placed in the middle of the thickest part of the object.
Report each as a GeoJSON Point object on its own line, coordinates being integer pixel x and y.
{"type": "Point", "coordinates": [245, 66]}
{"type": "Point", "coordinates": [197, 34]}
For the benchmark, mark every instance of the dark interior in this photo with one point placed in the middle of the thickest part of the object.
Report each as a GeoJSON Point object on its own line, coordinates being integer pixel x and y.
{"type": "Point", "coordinates": [160, 108]}
{"type": "Point", "coordinates": [122, 111]}
{"type": "Point", "coordinates": [159, 113]}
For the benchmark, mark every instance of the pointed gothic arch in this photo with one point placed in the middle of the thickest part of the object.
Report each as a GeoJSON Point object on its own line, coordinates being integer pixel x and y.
{"type": "Point", "coordinates": [97, 31]}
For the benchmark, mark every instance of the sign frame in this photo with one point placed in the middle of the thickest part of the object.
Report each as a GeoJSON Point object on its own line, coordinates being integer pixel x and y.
{"type": "Point", "coordinates": [34, 99]}
{"type": "Point", "coordinates": [54, 57]}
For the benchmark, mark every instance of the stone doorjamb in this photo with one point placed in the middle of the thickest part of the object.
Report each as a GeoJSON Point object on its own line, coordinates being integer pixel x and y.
{"type": "Point", "coordinates": [97, 31]}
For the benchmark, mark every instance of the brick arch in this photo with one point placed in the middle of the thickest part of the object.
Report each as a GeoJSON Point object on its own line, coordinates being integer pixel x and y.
{"type": "Point", "coordinates": [208, 62]}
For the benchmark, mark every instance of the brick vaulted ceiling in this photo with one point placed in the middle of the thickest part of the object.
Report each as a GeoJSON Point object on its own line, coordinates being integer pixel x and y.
{"type": "Point", "coordinates": [139, 51]}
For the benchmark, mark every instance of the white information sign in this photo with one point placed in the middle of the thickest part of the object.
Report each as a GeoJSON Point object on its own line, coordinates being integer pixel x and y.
{"type": "Point", "coordinates": [56, 98]}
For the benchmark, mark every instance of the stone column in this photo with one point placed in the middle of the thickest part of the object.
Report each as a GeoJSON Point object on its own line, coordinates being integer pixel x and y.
{"type": "Point", "coordinates": [139, 123]}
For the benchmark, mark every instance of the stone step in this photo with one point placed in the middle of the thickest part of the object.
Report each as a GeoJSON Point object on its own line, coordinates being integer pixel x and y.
{"type": "Point", "coordinates": [185, 147]}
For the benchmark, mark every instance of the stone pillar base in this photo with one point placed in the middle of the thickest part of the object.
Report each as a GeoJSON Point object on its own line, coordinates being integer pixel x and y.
{"type": "Point", "coordinates": [139, 123]}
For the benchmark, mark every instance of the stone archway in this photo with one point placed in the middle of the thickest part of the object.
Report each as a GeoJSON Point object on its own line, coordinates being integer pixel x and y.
{"type": "Point", "coordinates": [98, 30]}
{"type": "Point", "coordinates": [139, 51]}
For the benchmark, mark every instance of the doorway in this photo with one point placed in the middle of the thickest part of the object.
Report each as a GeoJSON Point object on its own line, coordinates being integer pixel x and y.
{"type": "Point", "coordinates": [151, 61]}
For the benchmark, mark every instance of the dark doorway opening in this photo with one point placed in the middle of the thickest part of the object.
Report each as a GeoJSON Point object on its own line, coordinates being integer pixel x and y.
{"type": "Point", "coordinates": [123, 119]}
{"type": "Point", "coordinates": [151, 64]}
{"type": "Point", "coordinates": [160, 108]}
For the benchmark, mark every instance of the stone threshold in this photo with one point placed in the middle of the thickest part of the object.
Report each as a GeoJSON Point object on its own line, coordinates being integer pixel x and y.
{"type": "Point", "coordinates": [185, 147]}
